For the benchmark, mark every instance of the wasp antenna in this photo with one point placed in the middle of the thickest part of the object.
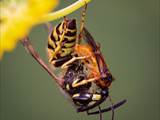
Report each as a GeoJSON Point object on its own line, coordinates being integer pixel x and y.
{"type": "Point", "coordinates": [115, 106]}
{"type": "Point", "coordinates": [28, 46]}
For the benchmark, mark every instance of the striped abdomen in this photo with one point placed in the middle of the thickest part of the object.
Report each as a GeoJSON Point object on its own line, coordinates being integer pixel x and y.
{"type": "Point", "coordinates": [61, 42]}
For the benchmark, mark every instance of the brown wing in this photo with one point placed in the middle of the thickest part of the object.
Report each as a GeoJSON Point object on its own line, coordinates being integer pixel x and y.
{"type": "Point", "coordinates": [102, 66]}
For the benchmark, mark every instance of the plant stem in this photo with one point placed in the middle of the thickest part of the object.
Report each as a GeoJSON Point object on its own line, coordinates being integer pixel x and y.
{"type": "Point", "coordinates": [63, 12]}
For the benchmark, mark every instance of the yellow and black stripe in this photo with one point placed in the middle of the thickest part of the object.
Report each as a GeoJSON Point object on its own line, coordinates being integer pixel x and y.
{"type": "Point", "coordinates": [61, 42]}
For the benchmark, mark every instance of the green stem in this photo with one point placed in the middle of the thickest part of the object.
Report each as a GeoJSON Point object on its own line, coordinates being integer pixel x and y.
{"type": "Point", "coordinates": [63, 12]}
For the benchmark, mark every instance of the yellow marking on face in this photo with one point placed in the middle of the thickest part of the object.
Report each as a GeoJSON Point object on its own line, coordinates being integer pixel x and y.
{"type": "Point", "coordinates": [76, 95]}
{"type": "Point", "coordinates": [96, 97]}
{"type": "Point", "coordinates": [67, 87]}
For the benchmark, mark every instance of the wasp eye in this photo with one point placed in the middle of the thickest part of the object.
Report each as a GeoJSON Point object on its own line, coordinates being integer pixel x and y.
{"type": "Point", "coordinates": [104, 92]}
{"type": "Point", "coordinates": [109, 77]}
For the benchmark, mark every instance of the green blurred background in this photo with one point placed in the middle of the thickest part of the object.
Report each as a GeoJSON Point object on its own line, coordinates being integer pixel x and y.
{"type": "Point", "coordinates": [128, 31]}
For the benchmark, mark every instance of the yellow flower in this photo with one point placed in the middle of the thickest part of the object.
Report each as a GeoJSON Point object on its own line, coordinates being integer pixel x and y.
{"type": "Point", "coordinates": [17, 17]}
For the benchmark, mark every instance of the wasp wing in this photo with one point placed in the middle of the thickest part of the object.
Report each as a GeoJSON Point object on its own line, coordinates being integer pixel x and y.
{"type": "Point", "coordinates": [90, 40]}
{"type": "Point", "coordinates": [102, 66]}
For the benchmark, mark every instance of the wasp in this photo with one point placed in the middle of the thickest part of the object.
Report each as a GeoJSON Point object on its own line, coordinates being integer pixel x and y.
{"type": "Point", "coordinates": [64, 48]}
{"type": "Point", "coordinates": [79, 86]}
{"type": "Point", "coordinates": [86, 96]}
{"type": "Point", "coordinates": [87, 78]}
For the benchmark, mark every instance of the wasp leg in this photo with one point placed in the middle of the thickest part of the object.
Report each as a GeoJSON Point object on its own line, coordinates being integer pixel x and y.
{"type": "Point", "coordinates": [76, 84]}
{"type": "Point", "coordinates": [61, 61]}
{"type": "Point", "coordinates": [83, 14]}
{"type": "Point", "coordinates": [115, 106]}
{"type": "Point", "coordinates": [65, 65]}
{"type": "Point", "coordinates": [111, 107]}
{"type": "Point", "coordinates": [100, 114]}
{"type": "Point", "coordinates": [28, 46]}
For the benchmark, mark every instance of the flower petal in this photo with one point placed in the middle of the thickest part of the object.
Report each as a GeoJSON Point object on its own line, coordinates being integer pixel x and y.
{"type": "Point", "coordinates": [16, 19]}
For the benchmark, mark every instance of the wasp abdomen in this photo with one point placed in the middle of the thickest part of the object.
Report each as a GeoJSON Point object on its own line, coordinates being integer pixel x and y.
{"type": "Point", "coordinates": [61, 42]}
